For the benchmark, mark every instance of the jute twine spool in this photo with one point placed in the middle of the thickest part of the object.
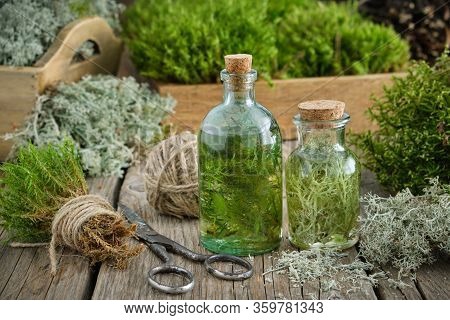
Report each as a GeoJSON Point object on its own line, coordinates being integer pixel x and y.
{"type": "Point", "coordinates": [171, 178]}
{"type": "Point", "coordinates": [91, 226]}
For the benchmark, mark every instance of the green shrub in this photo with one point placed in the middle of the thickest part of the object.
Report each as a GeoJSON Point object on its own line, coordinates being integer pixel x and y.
{"type": "Point", "coordinates": [412, 144]}
{"type": "Point", "coordinates": [29, 27]}
{"type": "Point", "coordinates": [334, 39]}
{"type": "Point", "coordinates": [185, 41]}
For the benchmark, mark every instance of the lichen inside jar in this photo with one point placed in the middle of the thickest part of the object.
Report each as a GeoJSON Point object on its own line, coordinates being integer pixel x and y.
{"type": "Point", "coordinates": [322, 185]}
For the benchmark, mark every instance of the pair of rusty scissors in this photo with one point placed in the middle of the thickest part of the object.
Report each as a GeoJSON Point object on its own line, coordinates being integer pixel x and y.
{"type": "Point", "coordinates": [162, 245]}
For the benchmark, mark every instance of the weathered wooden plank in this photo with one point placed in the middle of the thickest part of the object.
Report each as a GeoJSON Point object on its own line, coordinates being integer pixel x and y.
{"type": "Point", "coordinates": [388, 292]}
{"type": "Point", "coordinates": [433, 280]}
{"type": "Point", "coordinates": [27, 273]}
{"type": "Point", "coordinates": [346, 290]}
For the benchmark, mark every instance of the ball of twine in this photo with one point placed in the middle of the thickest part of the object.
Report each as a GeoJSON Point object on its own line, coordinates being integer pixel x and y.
{"type": "Point", "coordinates": [171, 178]}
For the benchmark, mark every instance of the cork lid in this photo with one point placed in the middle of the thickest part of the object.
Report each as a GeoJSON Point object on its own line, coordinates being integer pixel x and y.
{"type": "Point", "coordinates": [238, 63]}
{"type": "Point", "coordinates": [321, 110]}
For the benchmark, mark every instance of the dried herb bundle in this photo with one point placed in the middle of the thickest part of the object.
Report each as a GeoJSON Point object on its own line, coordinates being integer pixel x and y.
{"type": "Point", "coordinates": [105, 116]}
{"type": "Point", "coordinates": [29, 27]}
{"type": "Point", "coordinates": [404, 230]}
{"type": "Point", "coordinates": [39, 184]}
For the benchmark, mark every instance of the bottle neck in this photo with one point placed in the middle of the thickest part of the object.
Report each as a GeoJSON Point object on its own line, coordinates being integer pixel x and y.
{"type": "Point", "coordinates": [322, 136]}
{"type": "Point", "coordinates": [239, 88]}
{"type": "Point", "coordinates": [239, 94]}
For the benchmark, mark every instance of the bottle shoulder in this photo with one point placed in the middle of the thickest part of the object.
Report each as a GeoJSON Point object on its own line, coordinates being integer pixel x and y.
{"type": "Point", "coordinates": [235, 119]}
{"type": "Point", "coordinates": [340, 157]}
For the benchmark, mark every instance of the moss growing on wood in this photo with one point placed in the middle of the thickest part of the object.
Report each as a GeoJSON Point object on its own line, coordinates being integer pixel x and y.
{"type": "Point", "coordinates": [184, 41]}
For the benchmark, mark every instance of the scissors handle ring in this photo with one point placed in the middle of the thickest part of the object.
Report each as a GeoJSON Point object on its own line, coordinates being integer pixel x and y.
{"type": "Point", "coordinates": [186, 274]}
{"type": "Point", "coordinates": [247, 273]}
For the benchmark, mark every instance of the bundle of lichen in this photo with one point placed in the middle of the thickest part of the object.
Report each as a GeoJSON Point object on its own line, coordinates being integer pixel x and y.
{"type": "Point", "coordinates": [44, 196]}
{"type": "Point", "coordinates": [404, 230]}
{"type": "Point", "coordinates": [107, 118]}
{"type": "Point", "coordinates": [29, 27]}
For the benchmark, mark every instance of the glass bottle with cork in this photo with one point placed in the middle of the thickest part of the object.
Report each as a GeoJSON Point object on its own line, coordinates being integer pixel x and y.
{"type": "Point", "coordinates": [322, 179]}
{"type": "Point", "coordinates": [240, 168]}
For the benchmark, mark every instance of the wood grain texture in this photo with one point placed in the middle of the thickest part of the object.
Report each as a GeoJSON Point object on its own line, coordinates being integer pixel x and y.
{"type": "Point", "coordinates": [195, 101]}
{"type": "Point", "coordinates": [388, 292]}
{"type": "Point", "coordinates": [19, 86]}
{"type": "Point", "coordinates": [433, 281]}
{"type": "Point", "coordinates": [26, 271]}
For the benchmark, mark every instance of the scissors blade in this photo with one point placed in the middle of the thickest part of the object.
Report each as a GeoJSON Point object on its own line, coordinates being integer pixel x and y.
{"type": "Point", "coordinates": [143, 231]}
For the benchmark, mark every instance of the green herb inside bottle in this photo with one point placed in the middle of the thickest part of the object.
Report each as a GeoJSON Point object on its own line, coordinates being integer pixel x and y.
{"type": "Point", "coordinates": [240, 169]}
{"type": "Point", "coordinates": [322, 180]}
{"type": "Point", "coordinates": [240, 196]}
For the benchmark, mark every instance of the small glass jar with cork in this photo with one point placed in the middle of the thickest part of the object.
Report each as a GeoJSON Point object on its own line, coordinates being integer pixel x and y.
{"type": "Point", "coordinates": [240, 168]}
{"type": "Point", "coordinates": [322, 179]}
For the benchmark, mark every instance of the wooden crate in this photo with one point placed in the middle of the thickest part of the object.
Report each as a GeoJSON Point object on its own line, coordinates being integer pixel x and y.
{"type": "Point", "coordinates": [19, 86]}
{"type": "Point", "coordinates": [194, 101]}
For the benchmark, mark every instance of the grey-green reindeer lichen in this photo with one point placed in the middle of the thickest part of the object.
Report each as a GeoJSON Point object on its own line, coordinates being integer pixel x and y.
{"type": "Point", "coordinates": [405, 230]}
{"type": "Point", "coordinates": [29, 27]}
{"type": "Point", "coordinates": [402, 230]}
{"type": "Point", "coordinates": [106, 117]}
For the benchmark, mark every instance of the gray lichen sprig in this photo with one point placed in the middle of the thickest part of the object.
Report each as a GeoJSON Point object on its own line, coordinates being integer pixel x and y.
{"type": "Point", "coordinates": [325, 263]}
{"type": "Point", "coordinates": [404, 230]}
{"type": "Point", "coordinates": [29, 27]}
{"type": "Point", "coordinates": [105, 116]}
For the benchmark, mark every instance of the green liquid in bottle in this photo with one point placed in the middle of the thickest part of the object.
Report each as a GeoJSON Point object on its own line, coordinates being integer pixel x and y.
{"type": "Point", "coordinates": [240, 193]}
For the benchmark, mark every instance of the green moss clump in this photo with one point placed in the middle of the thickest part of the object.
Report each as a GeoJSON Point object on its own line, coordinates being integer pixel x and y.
{"type": "Point", "coordinates": [412, 144]}
{"type": "Point", "coordinates": [36, 186]}
{"type": "Point", "coordinates": [329, 39]}
{"type": "Point", "coordinates": [185, 41]}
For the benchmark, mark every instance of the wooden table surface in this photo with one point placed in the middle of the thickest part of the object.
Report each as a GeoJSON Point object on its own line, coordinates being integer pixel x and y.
{"type": "Point", "coordinates": [24, 273]}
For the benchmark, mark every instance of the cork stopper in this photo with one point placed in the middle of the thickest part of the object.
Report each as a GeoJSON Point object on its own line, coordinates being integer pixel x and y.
{"type": "Point", "coordinates": [238, 63]}
{"type": "Point", "coordinates": [321, 110]}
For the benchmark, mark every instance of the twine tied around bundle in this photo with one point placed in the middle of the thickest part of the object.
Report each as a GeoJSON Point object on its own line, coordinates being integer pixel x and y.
{"type": "Point", "coordinates": [91, 226]}
{"type": "Point", "coordinates": [171, 178]}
